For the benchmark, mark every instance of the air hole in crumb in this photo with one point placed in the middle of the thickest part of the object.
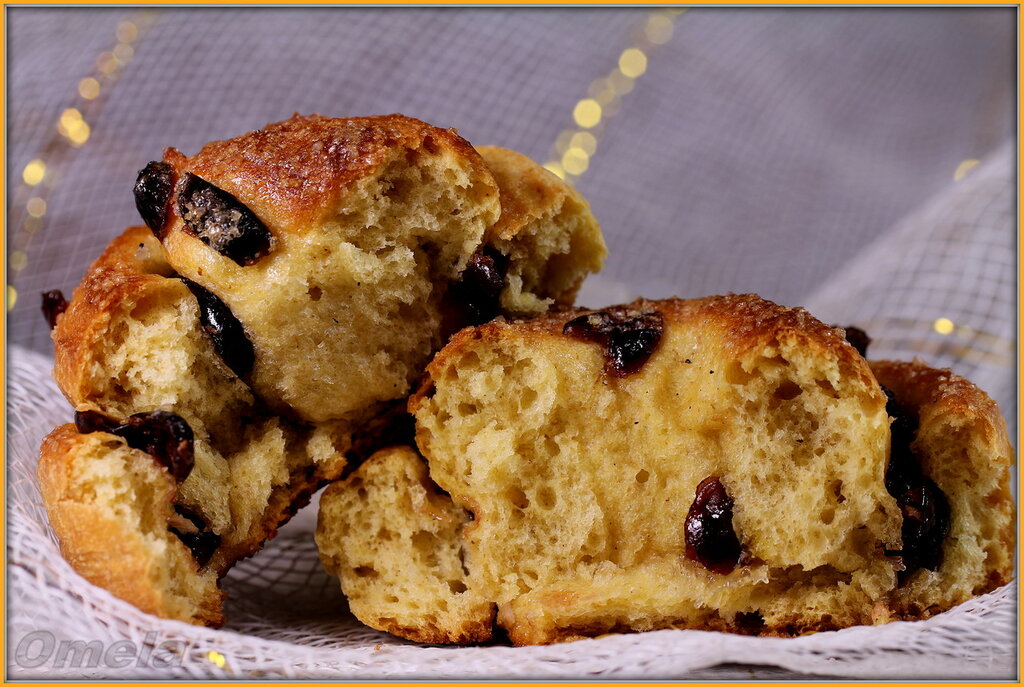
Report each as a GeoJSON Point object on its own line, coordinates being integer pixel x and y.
{"type": "Point", "coordinates": [466, 409]}
{"type": "Point", "coordinates": [457, 586]}
{"type": "Point", "coordinates": [365, 571]}
{"type": "Point", "coordinates": [735, 374]}
{"type": "Point", "coordinates": [546, 498]}
{"type": "Point", "coordinates": [642, 476]}
{"type": "Point", "coordinates": [527, 398]}
{"type": "Point", "coordinates": [837, 491]}
{"type": "Point", "coordinates": [430, 145]}
{"type": "Point", "coordinates": [787, 391]}
{"type": "Point", "coordinates": [517, 497]}
{"type": "Point", "coordinates": [397, 188]}
{"type": "Point", "coordinates": [827, 387]}
{"type": "Point", "coordinates": [828, 515]}
{"type": "Point", "coordinates": [315, 292]}
{"type": "Point", "coordinates": [426, 544]}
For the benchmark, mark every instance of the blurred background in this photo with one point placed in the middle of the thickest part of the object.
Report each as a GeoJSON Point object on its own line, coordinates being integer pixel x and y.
{"type": "Point", "coordinates": [722, 149]}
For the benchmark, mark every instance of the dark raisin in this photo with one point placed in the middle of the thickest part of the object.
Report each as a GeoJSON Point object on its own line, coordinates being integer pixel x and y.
{"type": "Point", "coordinates": [225, 331]}
{"type": "Point", "coordinates": [859, 339]}
{"type": "Point", "coordinates": [478, 290]}
{"type": "Point", "coordinates": [925, 526]}
{"type": "Point", "coordinates": [153, 189]}
{"type": "Point", "coordinates": [89, 421]}
{"type": "Point", "coordinates": [54, 304]}
{"type": "Point", "coordinates": [925, 509]}
{"type": "Point", "coordinates": [710, 538]}
{"type": "Point", "coordinates": [221, 221]}
{"type": "Point", "coordinates": [629, 337]}
{"type": "Point", "coordinates": [194, 532]}
{"type": "Point", "coordinates": [163, 435]}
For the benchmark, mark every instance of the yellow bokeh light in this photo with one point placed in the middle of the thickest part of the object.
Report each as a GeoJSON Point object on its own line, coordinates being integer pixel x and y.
{"type": "Point", "coordinates": [12, 297]}
{"type": "Point", "coordinates": [658, 29]}
{"type": "Point", "coordinates": [18, 260]}
{"type": "Point", "coordinates": [69, 116]}
{"type": "Point", "coordinates": [575, 161]}
{"type": "Point", "coordinates": [556, 169]}
{"type": "Point", "coordinates": [587, 113]}
{"type": "Point", "coordinates": [585, 141]}
{"type": "Point", "coordinates": [963, 168]}
{"type": "Point", "coordinates": [36, 206]}
{"type": "Point", "coordinates": [127, 32]}
{"type": "Point", "coordinates": [34, 172]}
{"type": "Point", "coordinates": [632, 62]}
{"type": "Point", "coordinates": [944, 325]}
{"type": "Point", "coordinates": [621, 83]}
{"type": "Point", "coordinates": [79, 134]}
{"type": "Point", "coordinates": [124, 52]}
{"type": "Point", "coordinates": [217, 658]}
{"type": "Point", "coordinates": [107, 63]}
{"type": "Point", "coordinates": [89, 88]}
{"type": "Point", "coordinates": [562, 142]}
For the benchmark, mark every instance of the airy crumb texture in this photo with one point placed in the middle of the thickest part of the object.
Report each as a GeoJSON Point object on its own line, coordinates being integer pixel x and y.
{"type": "Point", "coordinates": [395, 542]}
{"type": "Point", "coordinates": [963, 445]}
{"type": "Point", "coordinates": [372, 219]}
{"type": "Point", "coordinates": [111, 507]}
{"type": "Point", "coordinates": [581, 481]}
{"type": "Point", "coordinates": [131, 342]}
{"type": "Point", "coordinates": [546, 229]}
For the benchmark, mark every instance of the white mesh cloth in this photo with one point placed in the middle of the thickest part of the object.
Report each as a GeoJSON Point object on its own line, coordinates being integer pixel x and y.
{"type": "Point", "coordinates": [807, 155]}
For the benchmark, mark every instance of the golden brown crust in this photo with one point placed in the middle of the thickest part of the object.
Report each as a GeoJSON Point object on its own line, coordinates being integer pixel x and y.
{"type": "Point", "coordinates": [951, 408]}
{"type": "Point", "coordinates": [292, 173]}
{"type": "Point", "coordinates": [101, 548]}
{"type": "Point", "coordinates": [748, 321]}
{"type": "Point", "coordinates": [131, 270]}
{"type": "Point", "coordinates": [526, 190]}
{"type": "Point", "coordinates": [927, 390]}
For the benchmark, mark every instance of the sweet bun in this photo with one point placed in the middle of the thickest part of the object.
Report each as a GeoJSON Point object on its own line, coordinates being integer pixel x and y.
{"type": "Point", "coordinates": [715, 463]}
{"type": "Point", "coordinates": [111, 507]}
{"type": "Point", "coordinates": [394, 540]}
{"type": "Point", "coordinates": [954, 440]}
{"type": "Point", "coordinates": [349, 248]}
{"type": "Point", "coordinates": [137, 357]}
{"type": "Point", "coordinates": [261, 332]}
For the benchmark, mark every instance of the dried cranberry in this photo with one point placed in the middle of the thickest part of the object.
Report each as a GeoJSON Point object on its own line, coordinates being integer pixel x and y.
{"type": "Point", "coordinates": [163, 435]}
{"type": "Point", "coordinates": [710, 538]}
{"type": "Point", "coordinates": [859, 339]}
{"type": "Point", "coordinates": [194, 532]}
{"type": "Point", "coordinates": [478, 290]}
{"type": "Point", "coordinates": [54, 304]}
{"type": "Point", "coordinates": [153, 189]}
{"type": "Point", "coordinates": [629, 337]}
{"type": "Point", "coordinates": [925, 509]}
{"type": "Point", "coordinates": [225, 331]}
{"type": "Point", "coordinates": [221, 221]}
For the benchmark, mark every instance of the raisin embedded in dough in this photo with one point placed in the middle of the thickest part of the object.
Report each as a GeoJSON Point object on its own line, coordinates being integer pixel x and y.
{"type": "Point", "coordinates": [153, 189]}
{"type": "Point", "coordinates": [220, 221]}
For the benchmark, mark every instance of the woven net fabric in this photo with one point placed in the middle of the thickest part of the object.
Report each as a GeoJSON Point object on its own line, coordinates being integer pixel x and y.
{"type": "Point", "coordinates": [860, 163]}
